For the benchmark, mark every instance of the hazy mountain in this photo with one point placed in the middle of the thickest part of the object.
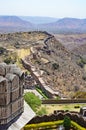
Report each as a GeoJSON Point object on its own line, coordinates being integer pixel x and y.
{"type": "Point", "coordinates": [14, 23]}
{"type": "Point", "coordinates": [65, 25]}
{"type": "Point", "coordinates": [38, 19]}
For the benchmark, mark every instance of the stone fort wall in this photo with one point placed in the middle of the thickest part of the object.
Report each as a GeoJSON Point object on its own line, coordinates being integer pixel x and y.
{"type": "Point", "coordinates": [11, 93]}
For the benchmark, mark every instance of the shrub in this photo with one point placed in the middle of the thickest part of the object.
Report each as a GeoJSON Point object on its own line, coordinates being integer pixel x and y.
{"type": "Point", "coordinates": [43, 125]}
{"type": "Point", "coordinates": [77, 106]}
{"type": "Point", "coordinates": [82, 61]}
{"type": "Point", "coordinates": [55, 66]}
{"type": "Point", "coordinates": [7, 60]}
{"type": "Point", "coordinates": [32, 100]}
{"type": "Point", "coordinates": [67, 123]}
{"type": "Point", "coordinates": [42, 111]}
{"type": "Point", "coordinates": [2, 50]}
{"type": "Point", "coordinates": [51, 124]}
{"type": "Point", "coordinates": [80, 94]}
{"type": "Point", "coordinates": [12, 58]}
{"type": "Point", "coordinates": [76, 126]}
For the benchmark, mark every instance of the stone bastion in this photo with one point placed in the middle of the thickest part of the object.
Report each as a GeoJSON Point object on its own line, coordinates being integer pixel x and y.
{"type": "Point", "coordinates": [11, 93]}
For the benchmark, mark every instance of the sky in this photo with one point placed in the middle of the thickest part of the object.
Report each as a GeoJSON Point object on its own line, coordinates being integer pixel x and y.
{"type": "Point", "coordinates": [50, 8]}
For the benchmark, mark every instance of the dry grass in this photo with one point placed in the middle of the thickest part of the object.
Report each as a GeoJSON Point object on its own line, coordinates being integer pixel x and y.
{"type": "Point", "coordinates": [23, 52]}
{"type": "Point", "coordinates": [44, 60]}
{"type": "Point", "coordinates": [50, 108]}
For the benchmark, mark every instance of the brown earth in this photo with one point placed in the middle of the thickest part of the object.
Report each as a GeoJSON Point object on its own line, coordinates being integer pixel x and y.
{"type": "Point", "coordinates": [76, 43]}
{"type": "Point", "coordinates": [57, 64]}
{"type": "Point", "coordinates": [16, 43]}
{"type": "Point", "coordinates": [60, 71]}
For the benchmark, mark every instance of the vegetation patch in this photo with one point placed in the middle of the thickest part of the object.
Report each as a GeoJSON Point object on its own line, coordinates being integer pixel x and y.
{"type": "Point", "coordinates": [76, 126]}
{"type": "Point", "coordinates": [50, 125]}
{"type": "Point", "coordinates": [2, 50]}
{"type": "Point", "coordinates": [82, 61]}
{"type": "Point", "coordinates": [55, 66]}
{"type": "Point", "coordinates": [23, 52]}
{"type": "Point", "coordinates": [66, 107]}
{"type": "Point", "coordinates": [67, 123]}
{"type": "Point", "coordinates": [35, 103]}
{"type": "Point", "coordinates": [11, 58]}
{"type": "Point", "coordinates": [44, 125]}
{"type": "Point", "coordinates": [42, 111]}
{"type": "Point", "coordinates": [32, 100]}
{"type": "Point", "coordinates": [43, 94]}
{"type": "Point", "coordinates": [80, 94]}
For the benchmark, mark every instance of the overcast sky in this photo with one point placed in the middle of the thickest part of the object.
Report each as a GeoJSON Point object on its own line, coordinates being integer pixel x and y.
{"type": "Point", "coordinates": [51, 8]}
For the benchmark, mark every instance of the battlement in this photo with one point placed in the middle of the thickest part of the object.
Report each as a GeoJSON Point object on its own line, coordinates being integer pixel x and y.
{"type": "Point", "coordinates": [11, 92]}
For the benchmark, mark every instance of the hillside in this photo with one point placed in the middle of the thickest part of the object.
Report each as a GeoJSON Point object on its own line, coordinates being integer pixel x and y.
{"type": "Point", "coordinates": [72, 41]}
{"type": "Point", "coordinates": [58, 67]}
{"type": "Point", "coordinates": [17, 45]}
{"type": "Point", "coordinates": [56, 64]}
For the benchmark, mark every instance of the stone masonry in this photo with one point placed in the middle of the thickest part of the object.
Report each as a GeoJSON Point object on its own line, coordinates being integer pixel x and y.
{"type": "Point", "coordinates": [11, 93]}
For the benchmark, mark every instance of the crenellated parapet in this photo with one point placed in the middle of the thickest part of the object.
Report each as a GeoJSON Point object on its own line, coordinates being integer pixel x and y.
{"type": "Point", "coordinates": [11, 93]}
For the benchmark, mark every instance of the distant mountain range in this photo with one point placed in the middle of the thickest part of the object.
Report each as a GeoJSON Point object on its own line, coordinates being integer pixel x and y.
{"type": "Point", "coordinates": [53, 25]}
{"type": "Point", "coordinates": [66, 25]}
{"type": "Point", "coordinates": [13, 24]}
{"type": "Point", "coordinates": [38, 19]}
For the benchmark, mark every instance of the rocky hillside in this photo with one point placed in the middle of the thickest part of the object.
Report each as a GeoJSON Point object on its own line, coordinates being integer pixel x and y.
{"type": "Point", "coordinates": [72, 41]}
{"type": "Point", "coordinates": [57, 67]}
{"type": "Point", "coordinates": [55, 63]}
{"type": "Point", "coordinates": [21, 39]}
{"type": "Point", "coordinates": [17, 44]}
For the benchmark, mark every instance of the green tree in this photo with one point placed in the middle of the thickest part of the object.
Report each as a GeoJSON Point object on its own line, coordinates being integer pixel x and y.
{"type": "Point", "coordinates": [67, 123]}
{"type": "Point", "coordinates": [33, 100]}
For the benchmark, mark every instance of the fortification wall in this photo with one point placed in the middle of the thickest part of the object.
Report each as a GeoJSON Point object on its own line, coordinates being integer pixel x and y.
{"type": "Point", "coordinates": [45, 88]}
{"type": "Point", "coordinates": [63, 101]}
{"type": "Point", "coordinates": [11, 93]}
